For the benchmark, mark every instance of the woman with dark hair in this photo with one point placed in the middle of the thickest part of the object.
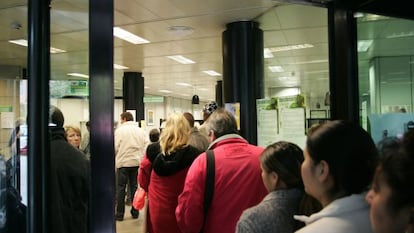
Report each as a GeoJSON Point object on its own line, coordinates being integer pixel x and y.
{"type": "Point", "coordinates": [280, 164]}
{"type": "Point", "coordinates": [340, 159]}
{"type": "Point", "coordinates": [391, 196]}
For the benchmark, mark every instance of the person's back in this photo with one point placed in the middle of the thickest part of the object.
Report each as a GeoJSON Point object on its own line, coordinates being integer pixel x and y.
{"type": "Point", "coordinates": [69, 182]}
{"type": "Point", "coordinates": [237, 185]}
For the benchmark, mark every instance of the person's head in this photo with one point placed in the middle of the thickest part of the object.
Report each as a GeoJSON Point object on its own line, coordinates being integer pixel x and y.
{"type": "Point", "coordinates": [391, 196]}
{"type": "Point", "coordinates": [340, 159]}
{"type": "Point", "coordinates": [280, 163]}
{"type": "Point", "coordinates": [56, 116]}
{"type": "Point", "coordinates": [126, 116]}
{"type": "Point", "coordinates": [221, 122]}
{"type": "Point", "coordinates": [154, 135]}
{"type": "Point", "coordinates": [73, 135]}
{"type": "Point", "coordinates": [87, 124]}
{"type": "Point", "coordinates": [208, 109]}
{"type": "Point", "coordinates": [175, 135]}
{"type": "Point", "coordinates": [190, 118]}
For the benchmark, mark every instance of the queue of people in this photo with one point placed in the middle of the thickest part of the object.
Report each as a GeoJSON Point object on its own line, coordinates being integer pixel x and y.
{"type": "Point", "coordinates": [340, 182]}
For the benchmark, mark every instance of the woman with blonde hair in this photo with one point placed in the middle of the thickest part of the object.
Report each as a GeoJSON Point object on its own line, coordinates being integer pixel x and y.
{"type": "Point", "coordinates": [73, 136]}
{"type": "Point", "coordinates": [170, 168]}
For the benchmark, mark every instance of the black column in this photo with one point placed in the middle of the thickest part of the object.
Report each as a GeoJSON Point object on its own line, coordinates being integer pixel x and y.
{"type": "Point", "coordinates": [343, 63]}
{"type": "Point", "coordinates": [133, 92]}
{"type": "Point", "coordinates": [219, 93]}
{"type": "Point", "coordinates": [101, 106]}
{"type": "Point", "coordinates": [243, 72]}
{"type": "Point", "coordinates": [38, 116]}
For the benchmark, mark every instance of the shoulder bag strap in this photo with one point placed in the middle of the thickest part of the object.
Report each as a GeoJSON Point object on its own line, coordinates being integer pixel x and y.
{"type": "Point", "coordinates": [208, 194]}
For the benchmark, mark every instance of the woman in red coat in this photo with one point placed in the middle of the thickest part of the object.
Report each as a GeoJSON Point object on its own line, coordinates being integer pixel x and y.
{"type": "Point", "coordinates": [169, 171]}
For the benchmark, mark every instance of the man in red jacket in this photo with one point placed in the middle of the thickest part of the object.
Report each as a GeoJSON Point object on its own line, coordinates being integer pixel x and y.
{"type": "Point", "coordinates": [237, 186]}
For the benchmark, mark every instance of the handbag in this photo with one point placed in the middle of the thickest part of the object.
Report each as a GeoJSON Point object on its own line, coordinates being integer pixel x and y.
{"type": "Point", "coordinates": [139, 199]}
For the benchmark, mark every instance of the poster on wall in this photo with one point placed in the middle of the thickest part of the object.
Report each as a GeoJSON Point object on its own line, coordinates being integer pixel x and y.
{"type": "Point", "coordinates": [234, 108]}
{"type": "Point", "coordinates": [267, 122]}
{"type": "Point", "coordinates": [292, 125]}
{"type": "Point", "coordinates": [150, 117]}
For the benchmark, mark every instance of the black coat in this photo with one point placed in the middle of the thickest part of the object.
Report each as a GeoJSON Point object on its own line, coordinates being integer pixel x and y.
{"type": "Point", "coordinates": [69, 186]}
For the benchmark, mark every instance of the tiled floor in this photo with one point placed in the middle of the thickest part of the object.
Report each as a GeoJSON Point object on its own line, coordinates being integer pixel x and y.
{"type": "Point", "coordinates": [130, 225]}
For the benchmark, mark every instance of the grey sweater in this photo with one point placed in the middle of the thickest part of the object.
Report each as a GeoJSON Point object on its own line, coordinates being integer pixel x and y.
{"type": "Point", "coordinates": [273, 214]}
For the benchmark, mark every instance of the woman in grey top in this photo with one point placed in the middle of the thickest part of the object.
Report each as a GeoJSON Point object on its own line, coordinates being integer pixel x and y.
{"type": "Point", "coordinates": [280, 163]}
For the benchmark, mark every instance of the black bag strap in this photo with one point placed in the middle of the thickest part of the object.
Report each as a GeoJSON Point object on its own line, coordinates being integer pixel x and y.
{"type": "Point", "coordinates": [208, 194]}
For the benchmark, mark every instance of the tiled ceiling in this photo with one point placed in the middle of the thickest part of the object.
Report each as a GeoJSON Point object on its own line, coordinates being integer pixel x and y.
{"type": "Point", "coordinates": [283, 24]}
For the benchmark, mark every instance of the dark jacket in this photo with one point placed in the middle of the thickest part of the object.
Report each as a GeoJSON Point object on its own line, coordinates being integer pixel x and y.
{"type": "Point", "coordinates": [69, 186]}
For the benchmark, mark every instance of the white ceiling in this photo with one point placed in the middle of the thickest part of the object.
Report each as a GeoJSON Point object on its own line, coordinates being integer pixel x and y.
{"type": "Point", "coordinates": [283, 24]}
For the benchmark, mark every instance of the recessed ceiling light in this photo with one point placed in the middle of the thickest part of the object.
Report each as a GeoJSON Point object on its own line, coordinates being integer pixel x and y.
{"type": "Point", "coordinates": [363, 45]}
{"type": "Point", "coordinates": [212, 73]}
{"type": "Point", "coordinates": [267, 53]}
{"type": "Point", "coordinates": [164, 91]}
{"type": "Point", "coordinates": [203, 89]}
{"type": "Point", "coordinates": [308, 62]}
{"type": "Point", "coordinates": [181, 59]}
{"type": "Point", "coordinates": [125, 35]}
{"type": "Point", "coordinates": [23, 42]}
{"type": "Point", "coordinates": [120, 67]}
{"type": "Point", "coordinates": [276, 68]}
{"type": "Point", "coordinates": [290, 47]}
{"type": "Point", "coordinates": [185, 95]}
{"type": "Point", "coordinates": [183, 84]}
{"type": "Point", "coordinates": [316, 72]}
{"type": "Point", "coordinates": [78, 75]}
{"type": "Point", "coordinates": [146, 87]}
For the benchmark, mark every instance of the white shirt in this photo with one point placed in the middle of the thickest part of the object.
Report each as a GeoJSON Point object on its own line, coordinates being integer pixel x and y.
{"type": "Point", "coordinates": [130, 144]}
{"type": "Point", "coordinates": [344, 215]}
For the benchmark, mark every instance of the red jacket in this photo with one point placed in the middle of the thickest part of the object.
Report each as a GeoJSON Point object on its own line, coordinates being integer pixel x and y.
{"type": "Point", "coordinates": [166, 183]}
{"type": "Point", "coordinates": [238, 186]}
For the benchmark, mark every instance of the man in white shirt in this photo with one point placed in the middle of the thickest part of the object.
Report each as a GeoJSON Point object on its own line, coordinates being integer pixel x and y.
{"type": "Point", "coordinates": [130, 145]}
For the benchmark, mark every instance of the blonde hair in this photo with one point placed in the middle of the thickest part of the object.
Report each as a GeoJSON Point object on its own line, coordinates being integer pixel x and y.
{"type": "Point", "coordinates": [76, 129]}
{"type": "Point", "coordinates": [175, 135]}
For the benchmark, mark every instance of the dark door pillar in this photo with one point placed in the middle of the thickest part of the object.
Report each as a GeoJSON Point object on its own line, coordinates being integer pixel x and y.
{"type": "Point", "coordinates": [133, 92]}
{"type": "Point", "coordinates": [343, 63]}
{"type": "Point", "coordinates": [243, 72]}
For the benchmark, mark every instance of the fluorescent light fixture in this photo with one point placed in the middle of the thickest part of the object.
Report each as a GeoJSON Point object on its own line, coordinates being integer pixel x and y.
{"type": "Point", "coordinates": [120, 67]}
{"type": "Point", "coordinates": [308, 62]}
{"type": "Point", "coordinates": [267, 53]}
{"type": "Point", "coordinates": [186, 95]}
{"type": "Point", "coordinates": [164, 91]}
{"type": "Point", "coordinates": [181, 59]}
{"type": "Point", "coordinates": [78, 75]}
{"type": "Point", "coordinates": [276, 68]}
{"type": "Point", "coordinates": [290, 47]}
{"type": "Point", "coordinates": [146, 87]}
{"type": "Point", "coordinates": [283, 78]}
{"type": "Point", "coordinates": [23, 42]}
{"type": "Point", "coordinates": [316, 72]}
{"type": "Point", "coordinates": [402, 34]}
{"type": "Point", "coordinates": [212, 73]}
{"type": "Point", "coordinates": [125, 35]}
{"type": "Point", "coordinates": [203, 89]}
{"type": "Point", "coordinates": [55, 50]}
{"type": "Point", "coordinates": [183, 84]}
{"type": "Point", "coordinates": [363, 45]}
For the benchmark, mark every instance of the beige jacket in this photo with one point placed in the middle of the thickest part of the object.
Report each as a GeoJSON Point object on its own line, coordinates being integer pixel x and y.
{"type": "Point", "coordinates": [130, 144]}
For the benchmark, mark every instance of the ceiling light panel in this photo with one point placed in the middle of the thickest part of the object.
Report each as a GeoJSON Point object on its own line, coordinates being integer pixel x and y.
{"type": "Point", "coordinates": [290, 47]}
{"type": "Point", "coordinates": [181, 59]}
{"type": "Point", "coordinates": [120, 67]}
{"type": "Point", "coordinates": [78, 75]}
{"type": "Point", "coordinates": [23, 42]}
{"type": "Point", "coordinates": [276, 69]}
{"type": "Point", "coordinates": [212, 73]}
{"type": "Point", "coordinates": [127, 36]}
